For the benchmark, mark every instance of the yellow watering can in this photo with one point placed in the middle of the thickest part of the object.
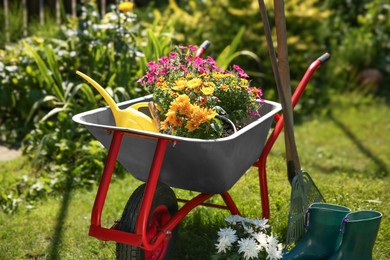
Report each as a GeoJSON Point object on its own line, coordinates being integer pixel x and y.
{"type": "Point", "coordinates": [126, 118]}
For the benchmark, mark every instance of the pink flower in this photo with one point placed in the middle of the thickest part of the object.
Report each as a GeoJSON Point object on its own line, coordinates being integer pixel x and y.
{"type": "Point", "coordinates": [172, 55]}
{"type": "Point", "coordinates": [192, 48]}
{"type": "Point", "coordinates": [199, 61]}
{"type": "Point", "coordinates": [163, 60]}
{"type": "Point", "coordinates": [240, 71]}
{"type": "Point", "coordinates": [152, 65]}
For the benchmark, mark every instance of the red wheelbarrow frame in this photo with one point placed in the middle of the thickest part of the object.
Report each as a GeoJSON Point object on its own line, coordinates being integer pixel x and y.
{"type": "Point", "coordinates": [140, 238]}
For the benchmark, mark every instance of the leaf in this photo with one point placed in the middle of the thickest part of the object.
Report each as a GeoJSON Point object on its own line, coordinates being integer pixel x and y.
{"type": "Point", "coordinates": [46, 73]}
{"type": "Point", "coordinates": [53, 112]}
{"type": "Point", "coordinates": [229, 53]}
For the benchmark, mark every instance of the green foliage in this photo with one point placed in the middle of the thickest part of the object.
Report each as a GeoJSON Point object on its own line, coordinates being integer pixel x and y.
{"type": "Point", "coordinates": [358, 36]}
{"type": "Point", "coordinates": [40, 94]}
{"type": "Point", "coordinates": [15, 23]}
{"type": "Point", "coordinates": [221, 21]}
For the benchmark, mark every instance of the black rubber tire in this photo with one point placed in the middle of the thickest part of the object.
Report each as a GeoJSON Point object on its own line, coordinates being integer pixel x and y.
{"type": "Point", "coordinates": [165, 196]}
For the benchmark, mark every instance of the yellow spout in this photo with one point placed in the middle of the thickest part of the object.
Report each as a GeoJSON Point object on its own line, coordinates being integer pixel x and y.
{"type": "Point", "coordinates": [126, 118]}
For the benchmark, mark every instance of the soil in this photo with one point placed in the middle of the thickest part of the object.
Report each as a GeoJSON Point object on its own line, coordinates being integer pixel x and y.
{"type": "Point", "coordinates": [7, 154]}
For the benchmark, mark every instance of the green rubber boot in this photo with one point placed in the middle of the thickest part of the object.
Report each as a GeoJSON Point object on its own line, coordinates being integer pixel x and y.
{"type": "Point", "coordinates": [321, 238]}
{"type": "Point", "coordinates": [359, 229]}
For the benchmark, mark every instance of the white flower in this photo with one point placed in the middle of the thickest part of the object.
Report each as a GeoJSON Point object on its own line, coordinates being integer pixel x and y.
{"type": "Point", "coordinates": [274, 252]}
{"type": "Point", "coordinates": [223, 245]}
{"type": "Point", "coordinates": [249, 247]}
{"type": "Point", "coordinates": [227, 236]}
{"type": "Point", "coordinates": [228, 232]}
{"type": "Point", "coordinates": [261, 238]}
{"type": "Point", "coordinates": [248, 238]}
{"type": "Point", "coordinates": [272, 241]}
{"type": "Point", "coordinates": [260, 223]}
{"type": "Point", "coordinates": [234, 219]}
{"type": "Point", "coordinates": [248, 229]}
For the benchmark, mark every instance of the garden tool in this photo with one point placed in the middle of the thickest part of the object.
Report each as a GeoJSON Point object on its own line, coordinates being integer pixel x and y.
{"type": "Point", "coordinates": [359, 230]}
{"type": "Point", "coordinates": [321, 239]}
{"type": "Point", "coordinates": [126, 118]}
{"type": "Point", "coordinates": [304, 192]}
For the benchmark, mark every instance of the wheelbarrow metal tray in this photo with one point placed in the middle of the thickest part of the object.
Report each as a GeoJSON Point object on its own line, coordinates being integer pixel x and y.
{"type": "Point", "coordinates": [208, 166]}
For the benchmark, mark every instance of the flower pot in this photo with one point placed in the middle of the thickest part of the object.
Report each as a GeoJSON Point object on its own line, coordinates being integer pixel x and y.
{"type": "Point", "coordinates": [208, 166]}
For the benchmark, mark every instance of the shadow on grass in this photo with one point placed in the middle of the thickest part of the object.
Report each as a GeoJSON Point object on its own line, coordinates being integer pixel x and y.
{"type": "Point", "coordinates": [197, 236]}
{"type": "Point", "coordinates": [382, 170]}
{"type": "Point", "coordinates": [63, 210]}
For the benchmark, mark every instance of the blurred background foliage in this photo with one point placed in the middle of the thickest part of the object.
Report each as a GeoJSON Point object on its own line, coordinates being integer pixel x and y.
{"type": "Point", "coordinates": [40, 92]}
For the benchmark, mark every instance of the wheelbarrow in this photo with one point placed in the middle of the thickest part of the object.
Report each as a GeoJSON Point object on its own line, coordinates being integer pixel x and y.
{"type": "Point", "coordinates": [147, 227]}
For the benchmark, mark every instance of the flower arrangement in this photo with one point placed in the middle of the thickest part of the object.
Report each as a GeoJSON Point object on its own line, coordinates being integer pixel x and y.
{"type": "Point", "coordinates": [196, 98]}
{"type": "Point", "coordinates": [246, 238]}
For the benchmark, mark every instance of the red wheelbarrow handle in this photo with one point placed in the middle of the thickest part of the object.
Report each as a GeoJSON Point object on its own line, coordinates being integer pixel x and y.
{"type": "Point", "coordinates": [261, 163]}
{"type": "Point", "coordinates": [307, 77]}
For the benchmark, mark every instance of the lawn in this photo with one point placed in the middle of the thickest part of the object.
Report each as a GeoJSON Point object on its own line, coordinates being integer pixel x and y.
{"type": "Point", "coordinates": [346, 152]}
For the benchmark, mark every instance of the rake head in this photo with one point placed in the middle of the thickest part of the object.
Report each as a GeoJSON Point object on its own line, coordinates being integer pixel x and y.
{"type": "Point", "coordinates": [303, 193]}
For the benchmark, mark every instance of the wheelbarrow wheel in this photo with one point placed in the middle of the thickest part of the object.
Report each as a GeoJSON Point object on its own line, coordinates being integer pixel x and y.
{"type": "Point", "coordinates": [163, 207]}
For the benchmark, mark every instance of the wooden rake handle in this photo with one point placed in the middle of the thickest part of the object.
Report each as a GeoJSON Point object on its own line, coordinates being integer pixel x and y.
{"type": "Point", "coordinates": [293, 164]}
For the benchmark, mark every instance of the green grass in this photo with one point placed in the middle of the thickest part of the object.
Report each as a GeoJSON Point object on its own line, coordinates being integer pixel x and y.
{"type": "Point", "coordinates": [347, 153]}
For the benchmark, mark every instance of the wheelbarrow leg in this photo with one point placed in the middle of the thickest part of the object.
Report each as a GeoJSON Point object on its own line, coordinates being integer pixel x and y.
{"type": "Point", "coordinates": [230, 203]}
{"type": "Point", "coordinates": [261, 165]}
{"type": "Point", "coordinates": [106, 178]}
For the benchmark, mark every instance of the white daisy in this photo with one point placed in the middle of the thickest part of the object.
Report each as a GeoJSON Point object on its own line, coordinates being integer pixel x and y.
{"type": "Point", "coordinates": [233, 219]}
{"type": "Point", "coordinates": [274, 252]}
{"type": "Point", "coordinates": [248, 246]}
{"type": "Point", "coordinates": [272, 241]}
{"type": "Point", "coordinates": [261, 223]}
{"type": "Point", "coordinates": [223, 245]}
{"type": "Point", "coordinates": [261, 238]}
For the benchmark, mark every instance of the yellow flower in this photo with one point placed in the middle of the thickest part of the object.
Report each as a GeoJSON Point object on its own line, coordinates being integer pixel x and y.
{"type": "Point", "coordinates": [180, 84]}
{"type": "Point", "coordinates": [224, 87]}
{"type": "Point", "coordinates": [218, 75]}
{"type": "Point", "coordinates": [229, 75]}
{"type": "Point", "coordinates": [162, 85]}
{"type": "Point", "coordinates": [208, 91]}
{"type": "Point", "coordinates": [126, 6]}
{"type": "Point", "coordinates": [206, 76]}
{"type": "Point", "coordinates": [194, 83]}
{"type": "Point", "coordinates": [244, 81]}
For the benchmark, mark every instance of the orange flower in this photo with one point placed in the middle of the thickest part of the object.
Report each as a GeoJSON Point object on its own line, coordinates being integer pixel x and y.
{"type": "Point", "coordinates": [199, 116]}
{"type": "Point", "coordinates": [181, 104]}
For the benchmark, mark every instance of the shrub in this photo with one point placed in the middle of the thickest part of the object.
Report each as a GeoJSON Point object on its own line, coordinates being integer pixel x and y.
{"type": "Point", "coordinates": [41, 92]}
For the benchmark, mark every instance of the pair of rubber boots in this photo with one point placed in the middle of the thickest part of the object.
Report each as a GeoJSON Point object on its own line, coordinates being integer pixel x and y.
{"type": "Point", "coordinates": [334, 232]}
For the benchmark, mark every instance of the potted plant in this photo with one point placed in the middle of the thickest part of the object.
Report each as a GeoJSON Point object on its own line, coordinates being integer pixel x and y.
{"type": "Point", "coordinates": [195, 98]}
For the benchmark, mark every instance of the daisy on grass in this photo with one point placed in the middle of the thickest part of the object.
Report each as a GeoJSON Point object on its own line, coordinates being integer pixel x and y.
{"type": "Point", "coordinates": [260, 223]}
{"type": "Point", "coordinates": [226, 237]}
{"type": "Point", "coordinates": [247, 238]}
{"type": "Point", "coordinates": [274, 252]}
{"type": "Point", "coordinates": [274, 248]}
{"type": "Point", "coordinates": [261, 239]}
{"type": "Point", "coordinates": [248, 247]}
{"type": "Point", "coordinates": [234, 219]}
